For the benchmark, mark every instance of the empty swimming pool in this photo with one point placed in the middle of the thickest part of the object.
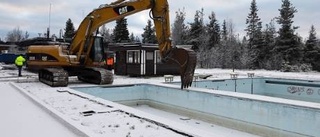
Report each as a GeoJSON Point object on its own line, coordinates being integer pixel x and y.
{"type": "Point", "coordinates": [261, 115]}
{"type": "Point", "coordinates": [303, 90]}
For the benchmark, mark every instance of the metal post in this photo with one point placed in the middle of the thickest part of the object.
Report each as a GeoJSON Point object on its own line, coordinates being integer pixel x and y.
{"type": "Point", "coordinates": [195, 77]}
{"type": "Point", "coordinates": [234, 76]}
{"type": "Point", "coordinates": [235, 85]}
{"type": "Point", "coordinates": [251, 75]}
{"type": "Point", "coordinates": [48, 29]}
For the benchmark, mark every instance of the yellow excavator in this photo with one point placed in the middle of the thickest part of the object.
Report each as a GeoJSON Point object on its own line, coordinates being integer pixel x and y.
{"type": "Point", "coordinates": [84, 57]}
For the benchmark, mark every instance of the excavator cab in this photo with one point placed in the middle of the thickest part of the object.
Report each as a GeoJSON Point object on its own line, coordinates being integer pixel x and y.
{"type": "Point", "coordinates": [97, 50]}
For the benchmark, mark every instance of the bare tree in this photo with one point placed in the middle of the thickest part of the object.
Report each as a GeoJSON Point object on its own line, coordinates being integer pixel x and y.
{"type": "Point", "coordinates": [230, 47]}
{"type": "Point", "coordinates": [26, 35]}
{"type": "Point", "coordinates": [204, 53]}
{"type": "Point", "coordinates": [15, 35]}
{"type": "Point", "coordinates": [106, 33]}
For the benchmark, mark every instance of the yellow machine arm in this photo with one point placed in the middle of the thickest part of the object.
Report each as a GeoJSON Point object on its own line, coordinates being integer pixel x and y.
{"type": "Point", "coordinates": [81, 43]}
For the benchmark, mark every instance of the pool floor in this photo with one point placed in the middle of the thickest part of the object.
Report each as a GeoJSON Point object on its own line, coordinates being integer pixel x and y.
{"type": "Point", "coordinates": [180, 118]}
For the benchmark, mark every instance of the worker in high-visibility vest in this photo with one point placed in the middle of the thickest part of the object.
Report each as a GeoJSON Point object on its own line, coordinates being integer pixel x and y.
{"type": "Point", "coordinates": [109, 63]}
{"type": "Point", "coordinates": [19, 63]}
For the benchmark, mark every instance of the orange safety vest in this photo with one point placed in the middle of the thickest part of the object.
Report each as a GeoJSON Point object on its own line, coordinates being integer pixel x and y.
{"type": "Point", "coordinates": [110, 61]}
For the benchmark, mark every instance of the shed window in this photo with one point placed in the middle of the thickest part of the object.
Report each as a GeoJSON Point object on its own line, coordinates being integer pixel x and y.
{"type": "Point", "coordinates": [149, 55]}
{"type": "Point", "coordinates": [133, 56]}
{"type": "Point", "coordinates": [158, 56]}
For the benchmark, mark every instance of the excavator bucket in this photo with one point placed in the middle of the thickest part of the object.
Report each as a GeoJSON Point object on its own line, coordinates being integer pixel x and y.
{"type": "Point", "coordinates": [187, 60]}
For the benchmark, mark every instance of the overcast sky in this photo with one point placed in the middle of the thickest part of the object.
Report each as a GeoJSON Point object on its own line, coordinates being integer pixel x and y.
{"type": "Point", "coordinates": [33, 15]}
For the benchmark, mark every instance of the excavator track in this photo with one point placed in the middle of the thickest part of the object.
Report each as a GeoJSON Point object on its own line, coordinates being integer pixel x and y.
{"type": "Point", "coordinates": [96, 76]}
{"type": "Point", "coordinates": [58, 77]}
{"type": "Point", "coordinates": [54, 77]}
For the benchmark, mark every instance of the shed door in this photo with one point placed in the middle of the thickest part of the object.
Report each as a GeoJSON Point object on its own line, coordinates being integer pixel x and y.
{"type": "Point", "coordinates": [121, 63]}
{"type": "Point", "coordinates": [150, 63]}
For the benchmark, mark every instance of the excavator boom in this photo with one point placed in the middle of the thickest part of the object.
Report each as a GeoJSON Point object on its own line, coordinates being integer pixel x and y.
{"type": "Point", "coordinates": [159, 12]}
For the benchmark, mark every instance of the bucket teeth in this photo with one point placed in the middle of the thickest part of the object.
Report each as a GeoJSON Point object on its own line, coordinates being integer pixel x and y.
{"type": "Point", "coordinates": [187, 70]}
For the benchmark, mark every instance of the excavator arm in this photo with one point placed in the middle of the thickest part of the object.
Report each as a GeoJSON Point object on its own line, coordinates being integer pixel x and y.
{"type": "Point", "coordinates": [185, 58]}
{"type": "Point", "coordinates": [81, 44]}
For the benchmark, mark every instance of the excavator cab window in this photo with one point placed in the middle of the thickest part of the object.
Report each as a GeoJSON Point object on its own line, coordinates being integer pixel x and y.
{"type": "Point", "coordinates": [97, 51]}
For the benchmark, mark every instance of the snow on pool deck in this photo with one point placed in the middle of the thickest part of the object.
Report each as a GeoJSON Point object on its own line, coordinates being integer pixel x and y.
{"type": "Point", "coordinates": [21, 117]}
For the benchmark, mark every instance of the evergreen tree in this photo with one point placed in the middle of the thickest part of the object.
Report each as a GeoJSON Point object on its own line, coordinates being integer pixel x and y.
{"type": "Point", "coordinates": [149, 35]}
{"type": "Point", "coordinates": [287, 43]}
{"type": "Point", "coordinates": [312, 51]}
{"type": "Point", "coordinates": [224, 32]}
{"type": "Point", "coordinates": [132, 37]}
{"type": "Point", "coordinates": [179, 29]}
{"type": "Point", "coordinates": [223, 52]}
{"type": "Point", "coordinates": [213, 29]}
{"type": "Point", "coordinates": [270, 59]}
{"type": "Point", "coordinates": [196, 30]}
{"type": "Point", "coordinates": [255, 37]}
{"type": "Point", "coordinates": [137, 39]}
{"type": "Point", "coordinates": [69, 30]}
{"type": "Point", "coordinates": [120, 32]}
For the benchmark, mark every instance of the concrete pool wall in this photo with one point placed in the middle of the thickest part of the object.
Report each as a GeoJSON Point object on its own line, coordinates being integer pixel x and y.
{"type": "Point", "coordinates": [261, 115]}
{"type": "Point", "coordinates": [303, 90]}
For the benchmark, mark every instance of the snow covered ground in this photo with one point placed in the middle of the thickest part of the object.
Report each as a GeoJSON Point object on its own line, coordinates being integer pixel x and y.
{"type": "Point", "coordinates": [22, 115]}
